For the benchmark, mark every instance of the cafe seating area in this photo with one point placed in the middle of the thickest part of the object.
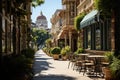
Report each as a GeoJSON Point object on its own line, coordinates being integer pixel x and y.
{"type": "Point", "coordinates": [88, 64]}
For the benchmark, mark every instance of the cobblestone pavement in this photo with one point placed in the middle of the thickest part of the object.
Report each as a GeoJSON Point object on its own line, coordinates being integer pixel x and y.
{"type": "Point", "coordinates": [45, 68]}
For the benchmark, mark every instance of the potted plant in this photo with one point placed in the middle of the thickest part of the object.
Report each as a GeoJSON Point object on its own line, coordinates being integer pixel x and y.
{"type": "Point", "coordinates": [55, 51]}
{"type": "Point", "coordinates": [79, 50]}
{"type": "Point", "coordinates": [109, 57]}
{"type": "Point", "coordinates": [64, 52]}
{"type": "Point", "coordinates": [115, 68]}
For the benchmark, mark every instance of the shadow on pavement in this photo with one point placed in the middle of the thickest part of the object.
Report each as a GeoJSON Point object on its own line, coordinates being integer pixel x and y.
{"type": "Point", "coordinates": [41, 59]}
{"type": "Point", "coordinates": [53, 77]}
{"type": "Point", "coordinates": [41, 65]}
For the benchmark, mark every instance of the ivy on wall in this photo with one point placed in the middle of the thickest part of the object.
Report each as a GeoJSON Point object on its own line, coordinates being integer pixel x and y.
{"type": "Point", "coordinates": [77, 21]}
{"type": "Point", "coordinates": [105, 6]}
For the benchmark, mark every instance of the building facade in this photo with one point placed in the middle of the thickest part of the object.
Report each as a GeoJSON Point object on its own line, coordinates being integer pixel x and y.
{"type": "Point", "coordinates": [68, 35]}
{"type": "Point", "coordinates": [41, 22]}
{"type": "Point", "coordinates": [85, 6]}
{"type": "Point", "coordinates": [56, 25]}
{"type": "Point", "coordinates": [96, 32]}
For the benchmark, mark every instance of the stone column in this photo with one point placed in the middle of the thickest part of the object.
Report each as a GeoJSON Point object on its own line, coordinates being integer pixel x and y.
{"type": "Point", "coordinates": [65, 37]}
{"type": "Point", "coordinates": [112, 34]}
{"type": "Point", "coordinates": [57, 42]}
{"type": "Point", "coordinates": [70, 39]}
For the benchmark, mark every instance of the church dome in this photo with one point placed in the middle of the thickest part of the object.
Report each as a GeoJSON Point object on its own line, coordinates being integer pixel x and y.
{"type": "Point", "coordinates": [41, 16]}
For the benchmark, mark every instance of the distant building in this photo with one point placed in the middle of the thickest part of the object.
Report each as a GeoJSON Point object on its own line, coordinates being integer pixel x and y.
{"type": "Point", "coordinates": [33, 25]}
{"type": "Point", "coordinates": [56, 21]}
{"type": "Point", "coordinates": [41, 22]}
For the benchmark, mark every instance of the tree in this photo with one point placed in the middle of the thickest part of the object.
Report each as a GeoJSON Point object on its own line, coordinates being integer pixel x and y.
{"type": "Point", "coordinates": [37, 2]}
{"type": "Point", "coordinates": [48, 43]}
{"type": "Point", "coordinates": [39, 36]}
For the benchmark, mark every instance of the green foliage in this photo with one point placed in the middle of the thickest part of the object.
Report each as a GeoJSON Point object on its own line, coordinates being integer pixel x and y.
{"type": "Point", "coordinates": [15, 65]}
{"type": "Point", "coordinates": [105, 6]}
{"type": "Point", "coordinates": [68, 49]}
{"type": "Point", "coordinates": [79, 42]}
{"type": "Point", "coordinates": [39, 36]}
{"type": "Point", "coordinates": [65, 50]}
{"type": "Point", "coordinates": [77, 21]}
{"type": "Point", "coordinates": [55, 50]}
{"type": "Point", "coordinates": [29, 53]}
{"type": "Point", "coordinates": [115, 67]}
{"type": "Point", "coordinates": [48, 43]}
{"type": "Point", "coordinates": [109, 56]}
{"type": "Point", "coordinates": [79, 50]}
{"type": "Point", "coordinates": [44, 49]}
{"type": "Point", "coordinates": [37, 2]}
{"type": "Point", "coordinates": [47, 50]}
{"type": "Point", "coordinates": [114, 64]}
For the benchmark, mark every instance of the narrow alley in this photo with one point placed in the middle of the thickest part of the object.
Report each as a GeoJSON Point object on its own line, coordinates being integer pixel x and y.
{"type": "Point", "coordinates": [46, 68]}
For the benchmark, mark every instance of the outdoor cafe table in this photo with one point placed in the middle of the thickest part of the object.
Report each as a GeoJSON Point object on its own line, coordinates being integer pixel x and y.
{"type": "Point", "coordinates": [97, 62]}
{"type": "Point", "coordinates": [83, 54]}
{"type": "Point", "coordinates": [97, 58]}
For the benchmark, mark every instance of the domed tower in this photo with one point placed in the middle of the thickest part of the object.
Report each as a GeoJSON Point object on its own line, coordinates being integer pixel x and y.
{"type": "Point", "coordinates": [41, 21]}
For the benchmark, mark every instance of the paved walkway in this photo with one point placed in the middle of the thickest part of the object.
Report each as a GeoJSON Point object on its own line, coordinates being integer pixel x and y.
{"type": "Point", "coordinates": [45, 68]}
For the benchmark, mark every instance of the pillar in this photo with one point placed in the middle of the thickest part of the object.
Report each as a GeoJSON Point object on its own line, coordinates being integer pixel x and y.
{"type": "Point", "coordinates": [112, 35]}
{"type": "Point", "coordinates": [70, 39]}
{"type": "Point", "coordinates": [65, 37]}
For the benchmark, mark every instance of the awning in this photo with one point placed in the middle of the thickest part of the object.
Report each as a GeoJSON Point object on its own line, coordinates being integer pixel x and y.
{"type": "Point", "coordinates": [89, 18]}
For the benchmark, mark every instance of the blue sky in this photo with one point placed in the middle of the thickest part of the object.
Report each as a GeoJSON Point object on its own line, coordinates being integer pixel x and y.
{"type": "Point", "coordinates": [48, 9]}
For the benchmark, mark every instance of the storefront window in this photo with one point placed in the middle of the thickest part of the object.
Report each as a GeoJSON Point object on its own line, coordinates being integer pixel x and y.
{"type": "Point", "coordinates": [89, 38]}
{"type": "Point", "coordinates": [97, 33]}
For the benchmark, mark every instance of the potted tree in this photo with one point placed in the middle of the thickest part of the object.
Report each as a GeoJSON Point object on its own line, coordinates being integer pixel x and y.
{"type": "Point", "coordinates": [55, 51]}
{"type": "Point", "coordinates": [65, 51]}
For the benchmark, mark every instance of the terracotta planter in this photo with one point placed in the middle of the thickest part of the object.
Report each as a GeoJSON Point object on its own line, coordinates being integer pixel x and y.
{"type": "Point", "coordinates": [107, 74]}
{"type": "Point", "coordinates": [64, 57]}
{"type": "Point", "coordinates": [55, 56]}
